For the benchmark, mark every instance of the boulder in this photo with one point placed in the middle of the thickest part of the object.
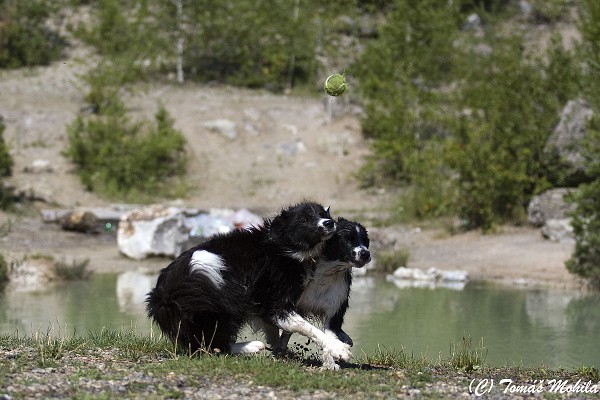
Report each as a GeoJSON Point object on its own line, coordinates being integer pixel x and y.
{"type": "Point", "coordinates": [205, 225]}
{"type": "Point", "coordinates": [30, 274]}
{"type": "Point", "coordinates": [220, 220]}
{"type": "Point", "coordinates": [432, 278]}
{"type": "Point", "coordinates": [104, 216]}
{"type": "Point", "coordinates": [550, 204]}
{"type": "Point", "coordinates": [567, 140]}
{"type": "Point", "coordinates": [291, 148]}
{"type": "Point", "coordinates": [432, 274]}
{"type": "Point", "coordinates": [558, 230]}
{"type": "Point", "coordinates": [80, 221]}
{"type": "Point", "coordinates": [152, 231]}
{"type": "Point", "coordinates": [224, 127]}
{"type": "Point", "coordinates": [39, 166]}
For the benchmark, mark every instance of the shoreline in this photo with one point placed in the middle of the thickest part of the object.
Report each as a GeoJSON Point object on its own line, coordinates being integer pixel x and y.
{"type": "Point", "coordinates": [516, 256]}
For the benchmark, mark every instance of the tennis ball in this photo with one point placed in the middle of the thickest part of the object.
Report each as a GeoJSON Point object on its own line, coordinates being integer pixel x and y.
{"type": "Point", "coordinates": [336, 85]}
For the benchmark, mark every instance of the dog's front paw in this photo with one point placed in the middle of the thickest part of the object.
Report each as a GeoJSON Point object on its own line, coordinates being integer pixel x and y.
{"type": "Point", "coordinates": [329, 362]}
{"type": "Point", "coordinates": [337, 349]}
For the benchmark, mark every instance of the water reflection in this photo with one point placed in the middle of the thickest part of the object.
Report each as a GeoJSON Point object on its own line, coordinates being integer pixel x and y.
{"type": "Point", "coordinates": [529, 327]}
{"type": "Point", "coordinates": [69, 308]}
{"type": "Point", "coordinates": [519, 326]}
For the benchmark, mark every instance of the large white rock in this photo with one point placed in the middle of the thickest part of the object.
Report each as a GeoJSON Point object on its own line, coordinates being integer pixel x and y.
{"type": "Point", "coordinates": [224, 127]}
{"type": "Point", "coordinates": [152, 231]}
{"type": "Point", "coordinates": [432, 278]}
{"type": "Point", "coordinates": [558, 230]}
{"type": "Point", "coordinates": [31, 274]}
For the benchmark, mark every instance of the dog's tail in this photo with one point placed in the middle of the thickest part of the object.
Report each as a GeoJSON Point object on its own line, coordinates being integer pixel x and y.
{"type": "Point", "coordinates": [165, 312]}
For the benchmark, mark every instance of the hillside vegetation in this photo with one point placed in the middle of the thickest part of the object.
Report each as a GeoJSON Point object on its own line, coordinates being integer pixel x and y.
{"type": "Point", "coordinates": [459, 99]}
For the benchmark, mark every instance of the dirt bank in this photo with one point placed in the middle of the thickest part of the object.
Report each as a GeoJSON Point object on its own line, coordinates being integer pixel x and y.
{"type": "Point", "coordinates": [285, 149]}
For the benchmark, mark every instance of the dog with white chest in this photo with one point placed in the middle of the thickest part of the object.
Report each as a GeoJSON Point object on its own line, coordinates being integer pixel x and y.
{"type": "Point", "coordinates": [204, 297]}
{"type": "Point", "coordinates": [326, 295]}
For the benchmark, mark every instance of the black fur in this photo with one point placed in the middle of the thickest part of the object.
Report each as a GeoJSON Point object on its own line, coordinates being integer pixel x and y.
{"type": "Point", "coordinates": [264, 275]}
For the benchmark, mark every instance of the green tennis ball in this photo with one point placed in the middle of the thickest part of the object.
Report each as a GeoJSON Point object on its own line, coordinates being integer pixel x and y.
{"type": "Point", "coordinates": [336, 85]}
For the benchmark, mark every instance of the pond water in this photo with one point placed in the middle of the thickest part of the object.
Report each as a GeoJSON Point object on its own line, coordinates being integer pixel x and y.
{"type": "Point", "coordinates": [518, 326]}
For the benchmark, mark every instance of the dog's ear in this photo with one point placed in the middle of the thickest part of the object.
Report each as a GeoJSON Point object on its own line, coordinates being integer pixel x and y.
{"type": "Point", "coordinates": [342, 220]}
{"type": "Point", "coordinates": [327, 211]}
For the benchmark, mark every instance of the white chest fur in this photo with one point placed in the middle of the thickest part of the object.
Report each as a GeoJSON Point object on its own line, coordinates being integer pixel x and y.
{"type": "Point", "coordinates": [326, 292]}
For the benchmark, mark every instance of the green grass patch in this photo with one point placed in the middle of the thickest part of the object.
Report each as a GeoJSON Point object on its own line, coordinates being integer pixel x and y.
{"type": "Point", "coordinates": [76, 270]}
{"type": "Point", "coordinates": [465, 357]}
{"type": "Point", "coordinates": [110, 363]}
{"type": "Point", "coordinates": [389, 260]}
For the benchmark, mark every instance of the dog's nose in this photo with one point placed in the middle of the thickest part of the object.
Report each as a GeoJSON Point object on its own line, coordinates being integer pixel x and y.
{"type": "Point", "coordinates": [329, 224]}
{"type": "Point", "coordinates": [365, 255]}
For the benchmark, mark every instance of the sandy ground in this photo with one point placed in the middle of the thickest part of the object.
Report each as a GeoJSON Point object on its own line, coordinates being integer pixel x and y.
{"type": "Point", "coordinates": [287, 148]}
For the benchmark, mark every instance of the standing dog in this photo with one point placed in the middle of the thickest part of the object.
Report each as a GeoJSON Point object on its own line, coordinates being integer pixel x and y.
{"type": "Point", "coordinates": [202, 299]}
{"type": "Point", "coordinates": [326, 294]}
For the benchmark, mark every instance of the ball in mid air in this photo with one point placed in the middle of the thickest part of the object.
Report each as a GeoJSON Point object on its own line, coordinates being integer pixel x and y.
{"type": "Point", "coordinates": [336, 85]}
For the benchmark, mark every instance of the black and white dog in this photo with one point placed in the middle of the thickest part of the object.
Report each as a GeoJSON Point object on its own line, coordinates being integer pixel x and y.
{"type": "Point", "coordinates": [326, 295]}
{"type": "Point", "coordinates": [202, 299]}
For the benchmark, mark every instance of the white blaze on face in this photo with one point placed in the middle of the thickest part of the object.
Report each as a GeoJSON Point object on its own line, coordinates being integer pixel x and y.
{"type": "Point", "coordinates": [208, 264]}
{"type": "Point", "coordinates": [356, 252]}
{"type": "Point", "coordinates": [321, 224]}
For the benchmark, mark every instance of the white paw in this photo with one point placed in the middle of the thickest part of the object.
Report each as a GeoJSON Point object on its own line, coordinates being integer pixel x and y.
{"type": "Point", "coordinates": [337, 349]}
{"type": "Point", "coordinates": [252, 347]}
{"type": "Point", "coordinates": [329, 362]}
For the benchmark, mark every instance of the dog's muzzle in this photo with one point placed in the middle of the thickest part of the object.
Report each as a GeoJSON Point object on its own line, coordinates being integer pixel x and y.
{"type": "Point", "coordinates": [326, 226]}
{"type": "Point", "coordinates": [361, 255]}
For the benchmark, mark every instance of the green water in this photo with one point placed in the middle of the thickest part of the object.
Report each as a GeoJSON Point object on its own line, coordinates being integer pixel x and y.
{"type": "Point", "coordinates": [518, 326]}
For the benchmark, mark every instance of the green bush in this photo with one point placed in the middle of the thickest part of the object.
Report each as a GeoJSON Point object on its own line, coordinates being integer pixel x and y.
{"type": "Point", "coordinates": [399, 74]}
{"type": "Point", "coordinates": [433, 188]}
{"type": "Point", "coordinates": [6, 164]}
{"type": "Point", "coordinates": [498, 148]}
{"type": "Point", "coordinates": [458, 127]}
{"type": "Point", "coordinates": [105, 83]}
{"type": "Point", "coordinates": [25, 38]}
{"type": "Point", "coordinates": [6, 161]}
{"type": "Point", "coordinates": [390, 260]}
{"type": "Point", "coordinates": [271, 44]}
{"type": "Point", "coordinates": [124, 159]}
{"type": "Point", "coordinates": [77, 270]}
{"type": "Point", "coordinates": [257, 44]}
{"type": "Point", "coordinates": [585, 260]}
{"type": "Point", "coordinates": [3, 271]}
{"type": "Point", "coordinates": [119, 28]}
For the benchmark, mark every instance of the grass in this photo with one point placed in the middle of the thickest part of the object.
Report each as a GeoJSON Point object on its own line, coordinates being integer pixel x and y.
{"type": "Point", "coordinates": [465, 357]}
{"type": "Point", "coordinates": [147, 366]}
{"type": "Point", "coordinates": [390, 260]}
{"type": "Point", "coordinates": [76, 270]}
